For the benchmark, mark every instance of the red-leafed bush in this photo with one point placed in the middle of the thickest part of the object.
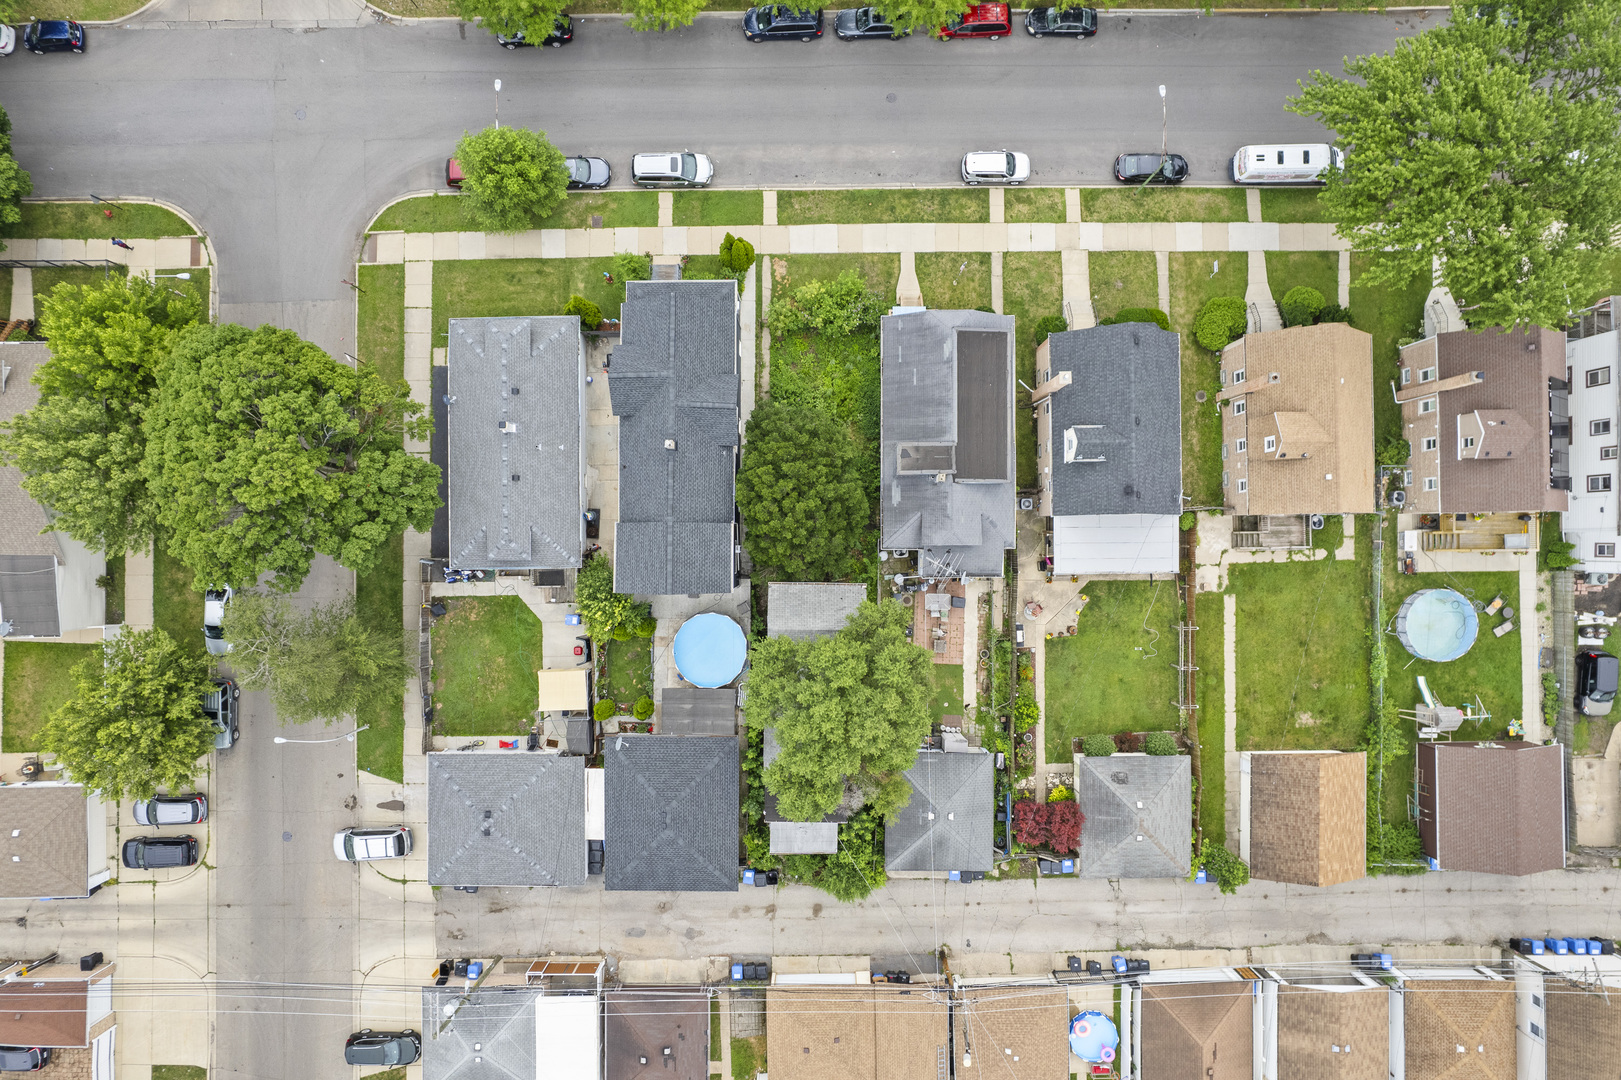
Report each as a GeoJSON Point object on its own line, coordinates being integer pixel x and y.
{"type": "Point", "coordinates": [1054, 826]}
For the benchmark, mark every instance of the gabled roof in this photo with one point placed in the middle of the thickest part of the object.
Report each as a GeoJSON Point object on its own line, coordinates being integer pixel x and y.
{"type": "Point", "coordinates": [1308, 817]}
{"type": "Point", "coordinates": [1496, 808]}
{"type": "Point", "coordinates": [1030, 1021]}
{"type": "Point", "coordinates": [855, 1033]}
{"type": "Point", "coordinates": [947, 475]}
{"type": "Point", "coordinates": [506, 819]}
{"type": "Point", "coordinates": [1192, 1030]}
{"type": "Point", "coordinates": [50, 853]}
{"type": "Point", "coordinates": [517, 458]}
{"type": "Point", "coordinates": [671, 805]}
{"type": "Point", "coordinates": [1334, 1035]}
{"type": "Point", "coordinates": [1584, 1030]}
{"type": "Point", "coordinates": [644, 1023]}
{"type": "Point", "coordinates": [497, 1031]}
{"type": "Point", "coordinates": [946, 824]}
{"type": "Point", "coordinates": [1442, 1015]}
{"type": "Point", "coordinates": [810, 609]}
{"type": "Point", "coordinates": [1119, 837]}
{"type": "Point", "coordinates": [690, 710]}
{"type": "Point", "coordinates": [674, 380]}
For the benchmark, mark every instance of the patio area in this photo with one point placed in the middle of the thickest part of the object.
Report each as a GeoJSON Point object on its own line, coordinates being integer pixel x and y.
{"type": "Point", "coordinates": [939, 620]}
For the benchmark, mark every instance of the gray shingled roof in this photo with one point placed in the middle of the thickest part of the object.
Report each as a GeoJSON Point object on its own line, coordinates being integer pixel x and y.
{"type": "Point", "coordinates": [28, 595]}
{"type": "Point", "coordinates": [28, 552]}
{"type": "Point", "coordinates": [1123, 405]}
{"type": "Point", "coordinates": [514, 819]}
{"type": "Point", "coordinates": [804, 837]}
{"type": "Point", "coordinates": [671, 805]}
{"type": "Point", "coordinates": [947, 412]}
{"type": "Point", "coordinates": [688, 710]}
{"type": "Point", "coordinates": [1109, 789]}
{"type": "Point", "coordinates": [499, 1020]}
{"type": "Point", "coordinates": [674, 376]}
{"type": "Point", "coordinates": [959, 790]}
{"type": "Point", "coordinates": [516, 491]}
{"type": "Point", "coordinates": [810, 609]}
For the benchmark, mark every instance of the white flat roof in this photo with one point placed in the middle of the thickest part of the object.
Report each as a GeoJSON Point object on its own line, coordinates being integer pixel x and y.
{"type": "Point", "coordinates": [568, 1037]}
{"type": "Point", "coordinates": [1095, 544]}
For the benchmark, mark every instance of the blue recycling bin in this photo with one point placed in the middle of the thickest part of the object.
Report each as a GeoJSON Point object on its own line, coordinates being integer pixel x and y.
{"type": "Point", "coordinates": [1119, 964]}
{"type": "Point", "coordinates": [1199, 878]}
{"type": "Point", "coordinates": [748, 877]}
{"type": "Point", "coordinates": [475, 968]}
{"type": "Point", "coordinates": [1595, 947]}
{"type": "Point", "coordinates": [1557, 946]}
{"type": "Point", "coordinates": [737, 972]}
{"type": "Point", "coordinates": [572, 620]}
{"type": "Point", "coordinates": [1537, 947]}
{"type": "Point", "coordinates": [1576, 945]}
{"type": "Point", "coordinates": [955, 875]}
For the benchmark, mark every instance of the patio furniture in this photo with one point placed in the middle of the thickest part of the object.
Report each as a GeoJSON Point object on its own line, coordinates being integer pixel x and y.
{"type": "Point", "coordinates": [1502, 628]}
{"type": "Point", "coordinates": [1492, 608]}
{"type": "Point", "coordinates": [1508, 614]}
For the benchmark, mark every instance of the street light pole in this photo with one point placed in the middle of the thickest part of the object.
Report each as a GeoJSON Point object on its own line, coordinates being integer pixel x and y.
{"type": "Point", "coordinates": [498, 103]}
{"type": "Point", "coordinates": [182, 277]}
{"type": "Point", "coordinates": [337, 738]}
{"type": "Point", "coordinates": [1162, 121]}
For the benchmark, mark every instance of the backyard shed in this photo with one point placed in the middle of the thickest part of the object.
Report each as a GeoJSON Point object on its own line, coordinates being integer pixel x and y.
{"type": "Point", "coordinates": [564, 689]}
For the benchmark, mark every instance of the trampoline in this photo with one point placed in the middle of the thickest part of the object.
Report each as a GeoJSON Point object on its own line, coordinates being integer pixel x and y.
{"type": "Point", "coordinates": [1094, 1038]}
{"type": "Point", "coordinates": [709, 650]}
{"type": "Point", "coordinates": [1437, 624]}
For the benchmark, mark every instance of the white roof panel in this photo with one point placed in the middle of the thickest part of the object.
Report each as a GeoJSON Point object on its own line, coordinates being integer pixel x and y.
{"type": "Point", "coordinates": [1096, 544]}
{"type": "Point", "coordinates": [568, 1036]}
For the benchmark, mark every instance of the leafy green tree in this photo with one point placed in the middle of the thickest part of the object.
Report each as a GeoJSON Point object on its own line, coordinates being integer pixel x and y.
{"type": "Point", "coordinates": [852, 707]}
{"type": "Point", "coordinates": [856, 869]}
{"type": "Point", "coordinates": [1488, 142]}
{"type": "Point", "coordinates": [590, 315]}
{"type": "Point", "coordinates": [81, 447]}
{"type": "Point", "coordinates": [843, 305]}
{"type": "Point", "coordinates": [532, 18]}
{"type": "Point", "coordinates": [263, 451]}
{"type": "Point", "coordinates": [662, 14]}
{"type": "Point", "coordinates": [1048, 325]}
{"type": "Point", "coordinates": [15, 183]}
{"type": "Point", "coordinates": [1220, 322]}
{"type": "Point", "coordinates": [512, 177]}
{"type": "Point", "coordinates": [1227, 870]}
{"type": "Point", "coordinates": [736, 255]}
{"type": "Point", "coordinates": [925, 16]}
{"type": "Point", "coordinates": [629, 266]}
{"type": "Point", "coordinates": [320, 664]}
{"type": "Point", "coordinates": [135, 721]}
{"type": "Point", "coordinates": [606, 612]}
{"type": "Point", "coordinates": [805, 515]}
{"type": "Point", "coordinates": [1301, 305]}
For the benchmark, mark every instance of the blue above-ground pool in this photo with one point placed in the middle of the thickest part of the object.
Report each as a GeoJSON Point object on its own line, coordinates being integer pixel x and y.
{"type": "Point", "coordinates": [709, 650]}
{"type": "Point", "coordinates": [1437, 624]}
{"type": "Point", "coordinates": [1092, 1037]}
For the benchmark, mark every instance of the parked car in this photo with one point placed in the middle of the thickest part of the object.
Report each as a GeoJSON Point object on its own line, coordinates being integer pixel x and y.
{"type": "Point", "coordinates": [160, 852]}
{"type": "Point", "coordinates": [8, 40]}
{"type": "Point", "coordinates": [453, 173]}
{"type": "Point", "coordinates": [1065, 22]}
{"type": "Point", "coordinates": [214, 601]}
{"type": "Point", "coordinates": [562, 33]}
{"type": "Point", "coordinates": [172, 810]}
{"type": "Point", "coordinates": [368, 1047]}
{"type": "Point", "coordinates": [995, 167]}
{"type": "Point", "coordinates": [1597, 675]}
{"type": "Point", "coordinates": [855, 24]}
{"type": "Point", "coordinates": [23, 1058]}
{"type": "Point", "coordinates": [369, 845]}
{"type": "Point", "coordinates": [54, 35]}
{"type": "Point", "coordinates": [583, 172]}
{"type": "Point", "coordinates": [672, 170]}
{"type": "Point", "coordinates": [779, 22]}
{"type": "Point", "coordinates": [219, 705]}
{"type": "Point", "coordinates": [1151, 168]}
{"type": "Point", "coordinates": [982, 20]}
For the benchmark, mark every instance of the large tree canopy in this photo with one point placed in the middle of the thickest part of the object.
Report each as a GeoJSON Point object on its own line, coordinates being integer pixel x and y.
{"type": "Point", "coordinates": [135, 722]}
{"type": "Point", "coordinates": [263, 451]}
{"type": "Point", "coordinates": [805, 514]}
{"type": "Point", "coordinates": [81, 447]}
{"type": "Point", "coordinates": [1489, 143]}
{"type": "Point", "coordinates": [511, 177]}
{"type": "Point", "coordinates": [532, 18]}
{"type": "Point", "coordinates": [852, 707]}
{"type": "Point", "coordinates": [662, 14]}
{"type": "Point", "coordinates": [15, 183]}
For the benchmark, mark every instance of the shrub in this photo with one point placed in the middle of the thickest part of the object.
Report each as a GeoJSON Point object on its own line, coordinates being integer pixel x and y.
{"type": "Point", "coordinates": [1097, 745]}
{"type": "Point", "coordinates": [1221, 321]}
{"type": "Point", "coordinates": [1394, 452]}
{"type": "Point", "coordinates": [1301, 305]}
{"type": "Point", "coordinates": [643, 708]}
{"type": "Point", "coordinates": [1138, 314]}
{"type": "Point", "coordinates": [1052, 825]}
{"type": "Point", "coordinates": [1160, 744]}
{"type": "Point", "coordinates": [623, 632]}
{"type": "Point", "coordinates": [605, 709]}
{"type": "Point", "coordinates": [1025, 710]}
{"type": "Point", "coordinates": [1127, 742]}
{"type": "Point", "coordinates": [1049, 324]}
{"type": "Point", "coordinates": [1187, 520]}
{"type": "Point", "coordinates": [1334, 313]}
{"type": "Point", "coordinates": [736, 255]}
{"type": "Point", "coordinates": [630, 267]}
{"type": "Point", "coordinates": [1550, 697]}
{"type": "Point", "coordinates": [647, 627]}
{"type": "Point", "coordinates": [590, 315]}
{"type": "Point", "coordinates": [1227, 870]}
{"type": "Point", "coordinates": [841, 306]}
{"type": "Point", "coordinates": [1060, 793]}
{"type": "Point", "coordinates": [604, 610]}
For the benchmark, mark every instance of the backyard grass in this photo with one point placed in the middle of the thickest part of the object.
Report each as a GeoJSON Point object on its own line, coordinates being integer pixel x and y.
{"type": "Point", "coordinates": [1032, 287]}
{"type": "Point", "coordinates": [197, 1072]}
{"type": "Point", "coordinates": [38, 681]}
{"type": "Point", "coordinates": [1195, 278]}
{"type": "Point", "coordinates": [880, 270]}
{"type": "Point", "coordinates": [1113, 675]}
{"type": "Point", "coordinates": [1390, 314]}
{"type": "Point", "coordinates": [955, 279]}
{"type": "Point", "coordinates": [486, 650]}
{"type": "Point", "coordinates": [719, 208]}
{"type": "Point", "coordinates": [113, 594]}
{"type": "Point", "coordinates": [881, 205]}
{"type": "Point", "coordinates": [1123, 279]}
{"type": "Point", "coordinates": [177, 609]}
{"type": "Point", "coordinates": [87, 221]}
{"type": "Point", "coordinates": [946, 700]}
{"type": "Point", "coordinates": [627, 670]}
{"type": "Point", "coordinates": [1136, 203]}
{"type": "Point", "coordinates": [714, 1030]}
{"type": "Point", "coordinates": [476, 288]}
{"type": "Point", "coordinates": [748, 1057]}
{"type": "Point", "coordinates": [443, 213]}
{"type": "Point", "coordinates": [380, 602]}
{"type": "Point", "coordinates": [1033, 204]}
{"type": "Point", "coordinates": [1318, 270]}
{"type": "Point", "coordinates": [705, 268]}
{"type": "Point", "coordinates": [381, 330]}
{"type": "Point", "coordinates": [1212, 717]}
{"type": "Point", "coordinates": [1291, 205]}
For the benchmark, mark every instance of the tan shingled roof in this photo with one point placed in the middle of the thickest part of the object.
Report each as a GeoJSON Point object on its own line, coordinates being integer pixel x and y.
{"type": "Point", "coordinates": [51, 853]}
{"type": "Point", "coordinates": [1584, 1031]}
{"type": "Point", "coordinates": [1333, 1035]}
{"type": "Point", "coordinates": [1443, 1015]}
{"type": "Point", "coordinates": [1031, 1022]}
{"type": "Point", "coordinates": [854, 1033]}
{"type": "Point", "coordinates": [1198, 1030]}
{"type": "Point", "coordinates": [1308, 817]}
{"type": "Point", "coordinates": [21, 518]}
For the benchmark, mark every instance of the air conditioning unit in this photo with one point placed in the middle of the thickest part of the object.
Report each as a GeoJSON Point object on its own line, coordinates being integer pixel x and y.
{"type": "Point", "coordinates": [1027, 504]}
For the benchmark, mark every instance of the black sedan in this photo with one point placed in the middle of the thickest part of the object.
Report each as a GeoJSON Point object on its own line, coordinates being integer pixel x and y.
{"type": "Point", "coordinates": [54, 35]}
{"type": "Point", "coordinates": [1063, 22]}
{"type": "Point", "coordinates": [779, 22]}
{"type": "Point", "coordinates": [160, 852]}
{"type": "Point", "coordinates": [854, 24]}
{"type": "Point", "coordinates": [561, 35]}
{"type": "Point", "coordinates": [586, 172]}
{"type": "Point", "coordinates": [368, 1047]}
{"type": "Point", "coordinates": [1151, 168]}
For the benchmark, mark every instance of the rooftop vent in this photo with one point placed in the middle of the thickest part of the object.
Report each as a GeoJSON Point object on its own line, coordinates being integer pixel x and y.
{"type": "Point", "coordinates": [488, 814]}
{"type": "Point", "coordinates": [514, 391]}
{"type": "Point", "coordinates": [1274, 377]}
{"type": "Point", "coordinates": [669, 444]}
{"type": "Point", "coordinates": [516, 477]}
{"type": "Point", "coordinates": [507, 427]}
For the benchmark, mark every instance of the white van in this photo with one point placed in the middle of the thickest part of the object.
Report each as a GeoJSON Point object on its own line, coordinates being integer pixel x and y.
{"type": "Point", "coordinates": [1285, 163]}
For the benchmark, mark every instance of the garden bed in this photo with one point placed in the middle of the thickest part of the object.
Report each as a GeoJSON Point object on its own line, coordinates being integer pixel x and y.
{"type": "Point", "coordinates": [627, 671]}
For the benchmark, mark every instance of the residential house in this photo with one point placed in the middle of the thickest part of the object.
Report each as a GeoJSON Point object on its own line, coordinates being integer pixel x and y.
{"type": "Point", "coordinates": [656, 1033]}
{"type": "Point", "coordinates": [1137, 811]}
{"type": "Point", "coordinates": [1109, 445]}
{"type": "Point", "coordinates": [671, 803]}
{"type": "Point", "coordinates": [53, 842]}
{"type": "Point", "coordinates": [1297, 430]}
{"type": "Point", "coordinates": [513, 1027]}
{"type": "Point", "coordinates": [64, 1007]}
{"type": "Point", "coordinates": [1492, 807]}
{"type": "Point", "coordinates": [1459, 1029]}
{"type": "Point", "coordinates": [946, 823]}
{"type": "Point", "coordinates": [855, 1033]}
{"type": "Point", "coordinates": [516, 448]}
{"type": "Point", "coordinates": [673, 384]}
{"type": "Point", "coordinates": [1305, 814]}
{"type": "Point", "coordinates": [1583, 1029]}
{"type": "Point", "coordinates": [947, 481]}
{"type": "Point", "coordinates": [1198, 1029]}
{"type": "Point", "coordinates": [1592, 519]}
{"type": "Point", "coordinates": [1484, 416]}
{"type": "Point", "coordinates": [803, 610]}
{"type": "Point", "coordinates": [47, 578]}
{"type": "Point", "coordinates": [515, 820]}
{"type": "Point", "coordinates": [1011, 1033]}
{"type": "Point", "coordinates": [1341, 1033]}
{"type": "Point", "coordinates": [789, 837]}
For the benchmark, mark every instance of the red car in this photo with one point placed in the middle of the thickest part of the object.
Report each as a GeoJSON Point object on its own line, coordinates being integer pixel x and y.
{"type": "Point", "coordinates": [982, 20]}
{"type": "Point", "coordinates": [453, 173]}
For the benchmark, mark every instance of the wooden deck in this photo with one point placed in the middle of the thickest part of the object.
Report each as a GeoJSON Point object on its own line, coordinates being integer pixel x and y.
{"type": "Point", "coordinates": [942, 636]}
{"type": "Point", "coordinates": [1480, 532]}
{"type": "Point", "coordinates": [1287, 531]}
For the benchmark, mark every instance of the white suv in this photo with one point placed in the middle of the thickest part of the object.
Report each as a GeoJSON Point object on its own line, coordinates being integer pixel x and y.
{"type": "Point", "coordinates": [672, 170]}
{"type": "Point", "coordinates": [995, 167]}
{"type": "Point", "coordinates": [368, 845]}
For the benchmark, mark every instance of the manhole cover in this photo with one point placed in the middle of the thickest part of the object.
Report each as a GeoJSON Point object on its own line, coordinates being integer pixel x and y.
{"type": "Point", "coordinates": [890, 98]}
{"type": "Point", "coordinates": [286, 836]}
{"type": "Point", "coordinates": [596, 221]}
{"type": "Point", "coordinates": [1199, 396]}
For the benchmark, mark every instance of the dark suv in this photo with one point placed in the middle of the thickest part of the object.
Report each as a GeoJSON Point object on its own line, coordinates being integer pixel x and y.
{"type": "Point", "coordinates": [1597, 675]}
{"type": "Point", "coordinates": [562, 33]}
{"type": "Point", "coordinates": [778, 22]}
{"type": "Point", "coordinates": [1064, 22]}
{"type": "Point", "coordinates": [368, 1047]}
{"type": "Point", "coordinates": [54, 35]}
{"type": "Point", "coordinates": [220, 705]}
{"type": "Point", "coordinates": [160, 852]}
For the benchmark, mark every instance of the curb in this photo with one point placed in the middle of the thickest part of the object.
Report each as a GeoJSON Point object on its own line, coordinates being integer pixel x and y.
{"type": "Point", "coordinates": [411, 20]}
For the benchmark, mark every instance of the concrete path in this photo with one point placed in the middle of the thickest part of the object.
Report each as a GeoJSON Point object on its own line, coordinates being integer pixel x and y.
{"type": "Point", "coordinates": [1258, 295]}
{"type": "Point", "coordinates": [251, 14]}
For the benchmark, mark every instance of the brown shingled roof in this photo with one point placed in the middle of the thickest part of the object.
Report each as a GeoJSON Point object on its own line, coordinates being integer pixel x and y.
{"type": "Point", "coordinates": [1492, 808]}
{"type": "Point", "coordinates": [854, 1033]}
{"type": "Point", "coordinates": [43, 1014]}
{"type": "Point", "coordinates": [1014, 1032]}
{"type": "Point", "coordinates": [1333, 1035]}
{"type": "Point", "coordinates": [1460, 1029]}
{"type": "Point", "coordinates": [642, 1023]}
{"type": "Point", "coordinates": [1584, 1031]}
{"type": "Point", "coordinates": [1198, 1030]}
{"type": "Point", "coordinates": [1308, 817]}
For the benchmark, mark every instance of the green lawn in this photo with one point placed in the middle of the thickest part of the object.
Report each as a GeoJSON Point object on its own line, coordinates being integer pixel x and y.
{"type": "Point", "coordinates": [443, 213]}
{"type": "Point", "coordinates": [900, 204]}
{"type": "Point", "coordinates": [627, 670]}
{"type": "Point", "coordinates": [1318, 270]}
{"type": "Point", "coordinates": [381, 331]}
{"type": "Point", "coordinates": [880, 270]}
{"type": "Point", "coordinates": [748, 1057]}
{"type": "Point", "coordinates": [1292, 205]}
{"type": "Point", "coordinates": [1212, 715]}
{"type": "Point", "coordinates": [714, 1030]}
{"type": "Point", "coordinates": [380, 601]}
{"type": "Point", "coordinates": [486, 650]}
{"type": "Point", "coordinates": [177, 609]}
{"type": "Point", "coordinates": [955, 279]}
{"type": "Point", "coordinates": [197, 1072]}
{"type": "Point", "coordinates": [719, 208]}
{"type": "Point", "coordinates": [113, 595]}
{"type": "Point", "coordinates": [87, 221]}
{"type": "Point", "coordinates": [477, 288]}
{"type": "Point", "coordinates": [946, 700]}
{"type": "Point", "coordinates": [1195, 278]}
{"type": "Point", "coordinates": [1390, 314]}
{"type": "Point", "coordinates": [1136, 203]}
{"type": "Point", "coordinates": [1123, 279]}
{"type": "Point", "coordinates": [1032, 287]}
{"type": "Point", "coordinates": [1033, 204]}
{"type": "Point", "coordinates": [1113, 675]}
{"type": "Point", "coordinates": [37, 682]}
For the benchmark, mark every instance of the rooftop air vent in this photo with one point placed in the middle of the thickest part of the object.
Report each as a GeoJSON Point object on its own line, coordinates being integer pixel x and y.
{"type": "Point", "coordinates": [507, 427]}
{"type": "Point", "coordinates": [1274, 377]}
{"type": "Point", "coordinates": [514, 391]}
{"type": "Point", "coordinates": [516, 477]}
{"type": "Point", "coordinates": [669, 444]}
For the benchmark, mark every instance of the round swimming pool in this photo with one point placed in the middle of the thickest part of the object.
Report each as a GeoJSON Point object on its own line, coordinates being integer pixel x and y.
{"type": "Point", "coordinates": [709, 650]}
{"type": "Point", "coordinates": [1437, 624]}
